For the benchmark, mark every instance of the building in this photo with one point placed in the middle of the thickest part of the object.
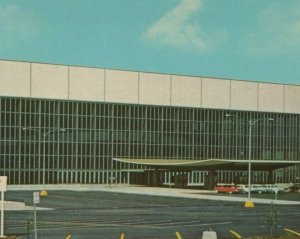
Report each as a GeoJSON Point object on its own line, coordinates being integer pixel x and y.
{"type": "Point", "coordinates": [67, 124]}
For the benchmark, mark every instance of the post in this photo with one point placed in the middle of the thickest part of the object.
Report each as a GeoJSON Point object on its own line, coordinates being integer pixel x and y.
{"type": "Point", "coordinates": [249, 160]}
{"type": "Point", "coordinates": [249, 203]}
{"type": "Point", "coordinates": [2, 214]}
{"type": "Point", "coordinates": [45, 133]}
{"type": "Point", "coordinates": [34, 218]}
{"type": "Point", "coordinates": [3, 182]}
{"type": "Point", "coordinates": [44, 192]}
{"type": "Point", "coordinates": [36, 200]}
{"type": "Point", "coordinates": [29, 222]}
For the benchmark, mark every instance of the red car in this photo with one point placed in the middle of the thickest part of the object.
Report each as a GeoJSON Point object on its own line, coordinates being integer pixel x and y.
{"type": "Point", "coordinates": [226, 188]}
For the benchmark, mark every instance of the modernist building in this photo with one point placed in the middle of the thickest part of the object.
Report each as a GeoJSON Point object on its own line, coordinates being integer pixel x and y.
{"type": "Point", "coordinates": [73, 124]}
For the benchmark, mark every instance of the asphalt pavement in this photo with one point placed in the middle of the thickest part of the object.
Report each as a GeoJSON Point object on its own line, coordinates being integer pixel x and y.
{"type": "Point", "coordinates": [107, 211]}
{"type": "Point", "coordinates": [151, 191]}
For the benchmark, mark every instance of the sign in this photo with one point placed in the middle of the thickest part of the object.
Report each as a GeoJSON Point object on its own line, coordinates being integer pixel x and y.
{"type": "Point", "coordinates": [36, 197]}
{"type": "Point", "coordinates": [3, 183]}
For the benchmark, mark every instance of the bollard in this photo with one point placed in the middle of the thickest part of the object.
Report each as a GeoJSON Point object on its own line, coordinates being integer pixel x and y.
{"type": "Point", "coordinates": [122, 236]}
{"type": "Point", "coordinates": [238, 236]}
{"type": "Point", "coordinates": [293, 232]}
{"type": "Point", "coordinates": [178, 236]}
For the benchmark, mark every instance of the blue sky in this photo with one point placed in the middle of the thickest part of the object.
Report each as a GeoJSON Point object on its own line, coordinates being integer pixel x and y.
{"type": "Point", "coordinates": [255, 40]}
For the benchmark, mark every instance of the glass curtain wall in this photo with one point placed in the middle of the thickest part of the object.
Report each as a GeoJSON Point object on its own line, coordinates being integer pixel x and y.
{"type": "Point", "coordinates": [79, 139]}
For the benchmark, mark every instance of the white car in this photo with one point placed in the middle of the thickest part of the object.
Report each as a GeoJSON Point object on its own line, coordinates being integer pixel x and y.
{"type": "Point", "coordinates": [258, 188]}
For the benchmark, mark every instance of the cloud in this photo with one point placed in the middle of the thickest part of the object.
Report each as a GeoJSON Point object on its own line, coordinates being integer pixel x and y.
{"type": "Point", "coordinates": [277, 33]}
{"type": "Point", "coordinates": [16, 25]}
{"type": "Point", "coordinates": [176, 28]}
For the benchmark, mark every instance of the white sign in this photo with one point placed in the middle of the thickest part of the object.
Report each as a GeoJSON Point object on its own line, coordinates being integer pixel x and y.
{"type": "Point", "coordinates": [36, 197]}
{"type": "Point", "coordinates": [3, 183]}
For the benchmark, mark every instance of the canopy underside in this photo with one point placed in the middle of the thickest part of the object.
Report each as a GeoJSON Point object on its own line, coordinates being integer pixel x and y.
{"type": "Point", "coordinates": [209, 164]}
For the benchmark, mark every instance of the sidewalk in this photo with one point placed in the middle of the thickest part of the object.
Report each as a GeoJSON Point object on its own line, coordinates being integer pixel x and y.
{"type": "Point", "coordinates": [151, 191]}
{"type": "Point", "coordinates": [20, 206]}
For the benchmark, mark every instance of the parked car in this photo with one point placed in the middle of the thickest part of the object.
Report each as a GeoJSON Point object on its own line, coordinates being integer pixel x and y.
{"type": "Point", "coordinates": [258, 188]}
{"type": "Point", "coordinates": [226, 188]}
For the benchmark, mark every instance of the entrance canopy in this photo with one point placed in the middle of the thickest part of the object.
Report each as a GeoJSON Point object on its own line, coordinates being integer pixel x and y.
{"type": "Point", "coordinates": [209, 164]}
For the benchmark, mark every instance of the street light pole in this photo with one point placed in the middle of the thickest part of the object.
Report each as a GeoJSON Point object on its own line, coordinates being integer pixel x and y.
{"type": "Point", "coordinates": [45, 133]}
{"type": "Point", "coordinates": [44, 191]}
{"type": "Point", "coordinates": [249, 203]}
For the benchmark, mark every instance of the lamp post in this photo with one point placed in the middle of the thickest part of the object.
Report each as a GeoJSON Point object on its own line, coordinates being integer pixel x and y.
{"type": "Point", "coordinates": [249, 203]}
{"type": "Point", "coordinates": [45, 133]}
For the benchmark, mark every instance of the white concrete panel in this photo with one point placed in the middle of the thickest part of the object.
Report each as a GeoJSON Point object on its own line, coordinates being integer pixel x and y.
{"type": "Point", "coordinates": [215, 93]}
{"type": "Point", "coordinates": [154, 89]}
{"type": "Point", "coordinates": [121, 86]}
{"type": "Point", "coordinates": [86, 84]}
{"type": "Point", "coordinates": [186, 91]}
{"type": "Point", "coordinates": [292, 99]}
{"type": "Point", "coordinates": [49, 81]}
{"type": "Point", "coordinates": [270, 97]}
{"type": "Point", "coordinates": [244, 95]}
{"type": "Point", "coordinates": [14, 78]}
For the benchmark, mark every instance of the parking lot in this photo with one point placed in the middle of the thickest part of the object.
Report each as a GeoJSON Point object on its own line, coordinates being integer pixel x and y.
{"type": "Point", "coordinates": [107, 214]}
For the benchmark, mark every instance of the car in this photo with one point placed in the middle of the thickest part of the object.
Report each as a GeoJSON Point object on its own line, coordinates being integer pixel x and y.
{"type": "Point", "coordinates": [226, 188]}
{"type": "Point", "coordinates": [258, 188]}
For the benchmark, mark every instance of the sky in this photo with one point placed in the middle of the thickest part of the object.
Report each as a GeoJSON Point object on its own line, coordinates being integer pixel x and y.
{"type": "Point", "coordinates": [257, 40]}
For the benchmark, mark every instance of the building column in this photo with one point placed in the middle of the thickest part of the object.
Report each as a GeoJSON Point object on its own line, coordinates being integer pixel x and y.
{"type": "Point", "coordinates": [270, 178]}
{"type": "Point", "coordinates": [210, 180]}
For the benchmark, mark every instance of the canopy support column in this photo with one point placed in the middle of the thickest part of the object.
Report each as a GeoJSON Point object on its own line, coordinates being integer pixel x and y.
{"type": "Point", "coordinates": [210, 180]}
{"type": "Point", "coordinates": [270, 176]}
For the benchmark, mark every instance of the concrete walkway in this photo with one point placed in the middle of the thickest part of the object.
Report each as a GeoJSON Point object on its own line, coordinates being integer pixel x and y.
{"type": "Point", "coordinates": [152, 191]}
{"type": "Point", "coordinates": [15, 206]}
{"type": "Point", "coordinates": [20, 206]}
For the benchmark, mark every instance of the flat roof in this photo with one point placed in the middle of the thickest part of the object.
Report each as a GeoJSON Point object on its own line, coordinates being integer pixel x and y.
{"type": "Point", "coordinates": [209, 164]}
